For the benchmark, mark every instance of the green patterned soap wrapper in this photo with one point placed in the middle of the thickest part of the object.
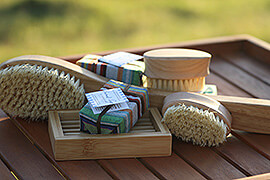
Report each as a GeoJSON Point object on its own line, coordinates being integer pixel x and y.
{"type": "Point", "coordinates": [130, 73]}
{"type": "Point", "coordinates": [111, 122]}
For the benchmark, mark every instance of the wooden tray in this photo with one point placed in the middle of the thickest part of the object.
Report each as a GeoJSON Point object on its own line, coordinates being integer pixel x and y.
{"type": "Point", "coordinates": [147, 138]}
{"type": "Point", "coordinates": [240, 67]}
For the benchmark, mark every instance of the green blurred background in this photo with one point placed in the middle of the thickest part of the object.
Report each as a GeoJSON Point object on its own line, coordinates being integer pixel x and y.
{"type": "Point", "coordinates": [58, 28]}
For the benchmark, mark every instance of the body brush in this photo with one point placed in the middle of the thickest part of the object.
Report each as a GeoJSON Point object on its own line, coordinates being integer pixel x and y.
{"type": "Point", "coordinates": [31, 85]}
{"type": "Point", "coordinates": [206, 121]}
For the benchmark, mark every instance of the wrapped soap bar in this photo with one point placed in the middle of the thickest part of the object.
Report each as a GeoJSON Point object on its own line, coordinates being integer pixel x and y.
{"type": "Point", "coordinates": [112, 122]}
{"type": "Point", "coordinates": [130, 73]}
{"type": "Point", "coordinates": [120, 121]}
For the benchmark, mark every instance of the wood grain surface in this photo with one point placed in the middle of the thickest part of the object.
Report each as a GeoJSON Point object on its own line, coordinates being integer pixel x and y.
{"type": "Point", "coordinates": [243, 156]}
{"type": "Point", "coordinates": [251, 65]}
{"type": "Point", "coordinates": [260, 142]}
{"type": "Point", "coordinates": [127, 169]}
{"type": "Point", "coordinates": [172, 167]}
{"type": "Point", "coordinates": [25, 160]}
{"type": "Point", "coordinates": [38, 132]}
{"type": "Point", "coordinates": [239, 67]}
{"type": "Point", "coordinates": [240, 78]}
{"type": "Point", "coordinates": [206, 161]}
{"type": "Point", "coordinates": [5, 172]}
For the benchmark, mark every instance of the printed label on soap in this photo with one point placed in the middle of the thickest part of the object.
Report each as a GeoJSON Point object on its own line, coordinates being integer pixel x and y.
{"type": "Point", "coordinates": [120, 58]}
{"type": "Point", "coordinates": [115, 107]}
{"type": "Point", "coordinates": [99, 100]}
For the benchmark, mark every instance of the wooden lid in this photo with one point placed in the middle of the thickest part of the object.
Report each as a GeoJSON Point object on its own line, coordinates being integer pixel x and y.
{"type": "Point", "coordinates": [176, 63]}
{"type": "Point", "coordinates": [200, 101]}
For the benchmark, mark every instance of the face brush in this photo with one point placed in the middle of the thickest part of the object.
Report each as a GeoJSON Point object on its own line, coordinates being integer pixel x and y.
{"type": "Point", "coordinates": [206, 122]}
{"type": "Point", "coordinates": [32, 85]}
{"type": "Point", "coordinates": [176, 69]}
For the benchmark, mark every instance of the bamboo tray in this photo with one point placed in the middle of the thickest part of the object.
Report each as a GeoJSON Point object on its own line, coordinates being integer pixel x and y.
{"type": "Point", "coordinates": [147, 138]}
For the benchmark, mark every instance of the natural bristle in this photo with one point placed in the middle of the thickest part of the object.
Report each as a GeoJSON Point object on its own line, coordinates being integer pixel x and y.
{"type": "Point", "coordinates": [201, 127]}
{"type": "Point", "coordinates": [29, 91]}
{"type": "Point", "coordinates": [195, 84]}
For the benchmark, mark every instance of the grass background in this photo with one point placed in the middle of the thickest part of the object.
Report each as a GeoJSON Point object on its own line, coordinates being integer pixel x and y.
{"type": "Point", "coordinates": [66, 27]}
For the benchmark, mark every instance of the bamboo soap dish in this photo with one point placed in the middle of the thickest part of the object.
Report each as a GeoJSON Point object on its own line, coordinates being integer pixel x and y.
{"type": "Point", "coordinates": [148, 138]}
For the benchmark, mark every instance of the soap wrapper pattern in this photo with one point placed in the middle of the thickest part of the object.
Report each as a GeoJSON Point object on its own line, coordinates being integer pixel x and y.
{"type": "Point", "coordinates": [140, 92]}
{"type": "Point", "coordinates": [131, 73]}
{"type": "Point", "coordinates": [112, 122]}
{"type": "Point", "coordinates": [117, 121]}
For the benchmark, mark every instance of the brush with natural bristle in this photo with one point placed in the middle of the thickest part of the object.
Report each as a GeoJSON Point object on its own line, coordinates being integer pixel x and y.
{"type": "Point", "coordinates": [176, 69]}
{"type": "Point", "coordinates": [199, 126]}
{"type": "Point", "coordinates": [195, 84]}
{"type": "Point", "coordinates": [196, 118]}
{"type": "Point", "coordinates": [29, 91]}
{"type": "Point", "coordinates": [204, 121]}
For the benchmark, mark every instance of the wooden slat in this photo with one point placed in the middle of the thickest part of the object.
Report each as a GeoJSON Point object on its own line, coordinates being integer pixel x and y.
{"type": "Point", "coordinates": [5, 172]}
{"type": "Point", "coordinates": [224, 87]}
{"type": "Point", "coordinates": [144, 124]}
{"type": "Point", "coordinates": [172, 167]}
{"type": "Point", "coordinates": [143, 128]}
{"type": "Point", "coordinates": [83, 170]}
{"type": "Point", "coordinates": [127, 169]}
{"type": "Point", "coordinates": [206, 160]}
{"type": "Point", "coordinates": [240, 78]}
{"type": "Point", "coordinates": [22, 156]}
{"type": "Point", "coordinates": [142, 131]}
{"type": "Point", "coordinates": [73, 126]}
{"type": "Point", "coordinates": [38, 132]}
{"type": "Point", "coordinates": [244, 156]}
{"type": "Point", "coordinates": [257, 48]}
{"type": "Point", "coordinates": [249, 64]}
{"type": "Point", "coordinates": [71, 130]}
{"type": "Point", "coordinates": [260, 142]}
{"type": "Point", "coordinates": [70, 122]}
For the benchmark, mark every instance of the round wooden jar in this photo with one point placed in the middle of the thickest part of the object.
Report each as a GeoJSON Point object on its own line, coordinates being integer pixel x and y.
{"type": "Point", "coordinates": [176, 69]}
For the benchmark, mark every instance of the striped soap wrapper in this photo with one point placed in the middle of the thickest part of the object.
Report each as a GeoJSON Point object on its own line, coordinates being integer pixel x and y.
{"type": "Point", "coordinates": [112, 122]}
{"type": "Point", "coordinates": [131, 73]}
{"type": "Point", "coordinates": [133, 91]}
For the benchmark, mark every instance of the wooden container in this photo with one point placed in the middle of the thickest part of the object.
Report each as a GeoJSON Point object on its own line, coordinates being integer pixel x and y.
{"type": "Point", "coordinates": [148, 138]}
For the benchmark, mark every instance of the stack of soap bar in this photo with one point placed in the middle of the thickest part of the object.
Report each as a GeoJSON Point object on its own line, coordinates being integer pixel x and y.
{"type": "Point", "coordinates": [118, 121]}
{"type": "Point", "coordinates": [130, 73]}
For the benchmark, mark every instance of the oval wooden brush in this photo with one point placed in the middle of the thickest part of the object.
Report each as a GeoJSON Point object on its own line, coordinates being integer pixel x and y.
{"type": "Point", "coordinates": [206, 122]}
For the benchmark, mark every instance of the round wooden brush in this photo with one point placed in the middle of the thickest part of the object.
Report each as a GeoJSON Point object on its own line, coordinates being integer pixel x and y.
{"type": "Point", "coordinates": [206, 122]}
{"type": "Point", "coordinates": [176, 69]}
